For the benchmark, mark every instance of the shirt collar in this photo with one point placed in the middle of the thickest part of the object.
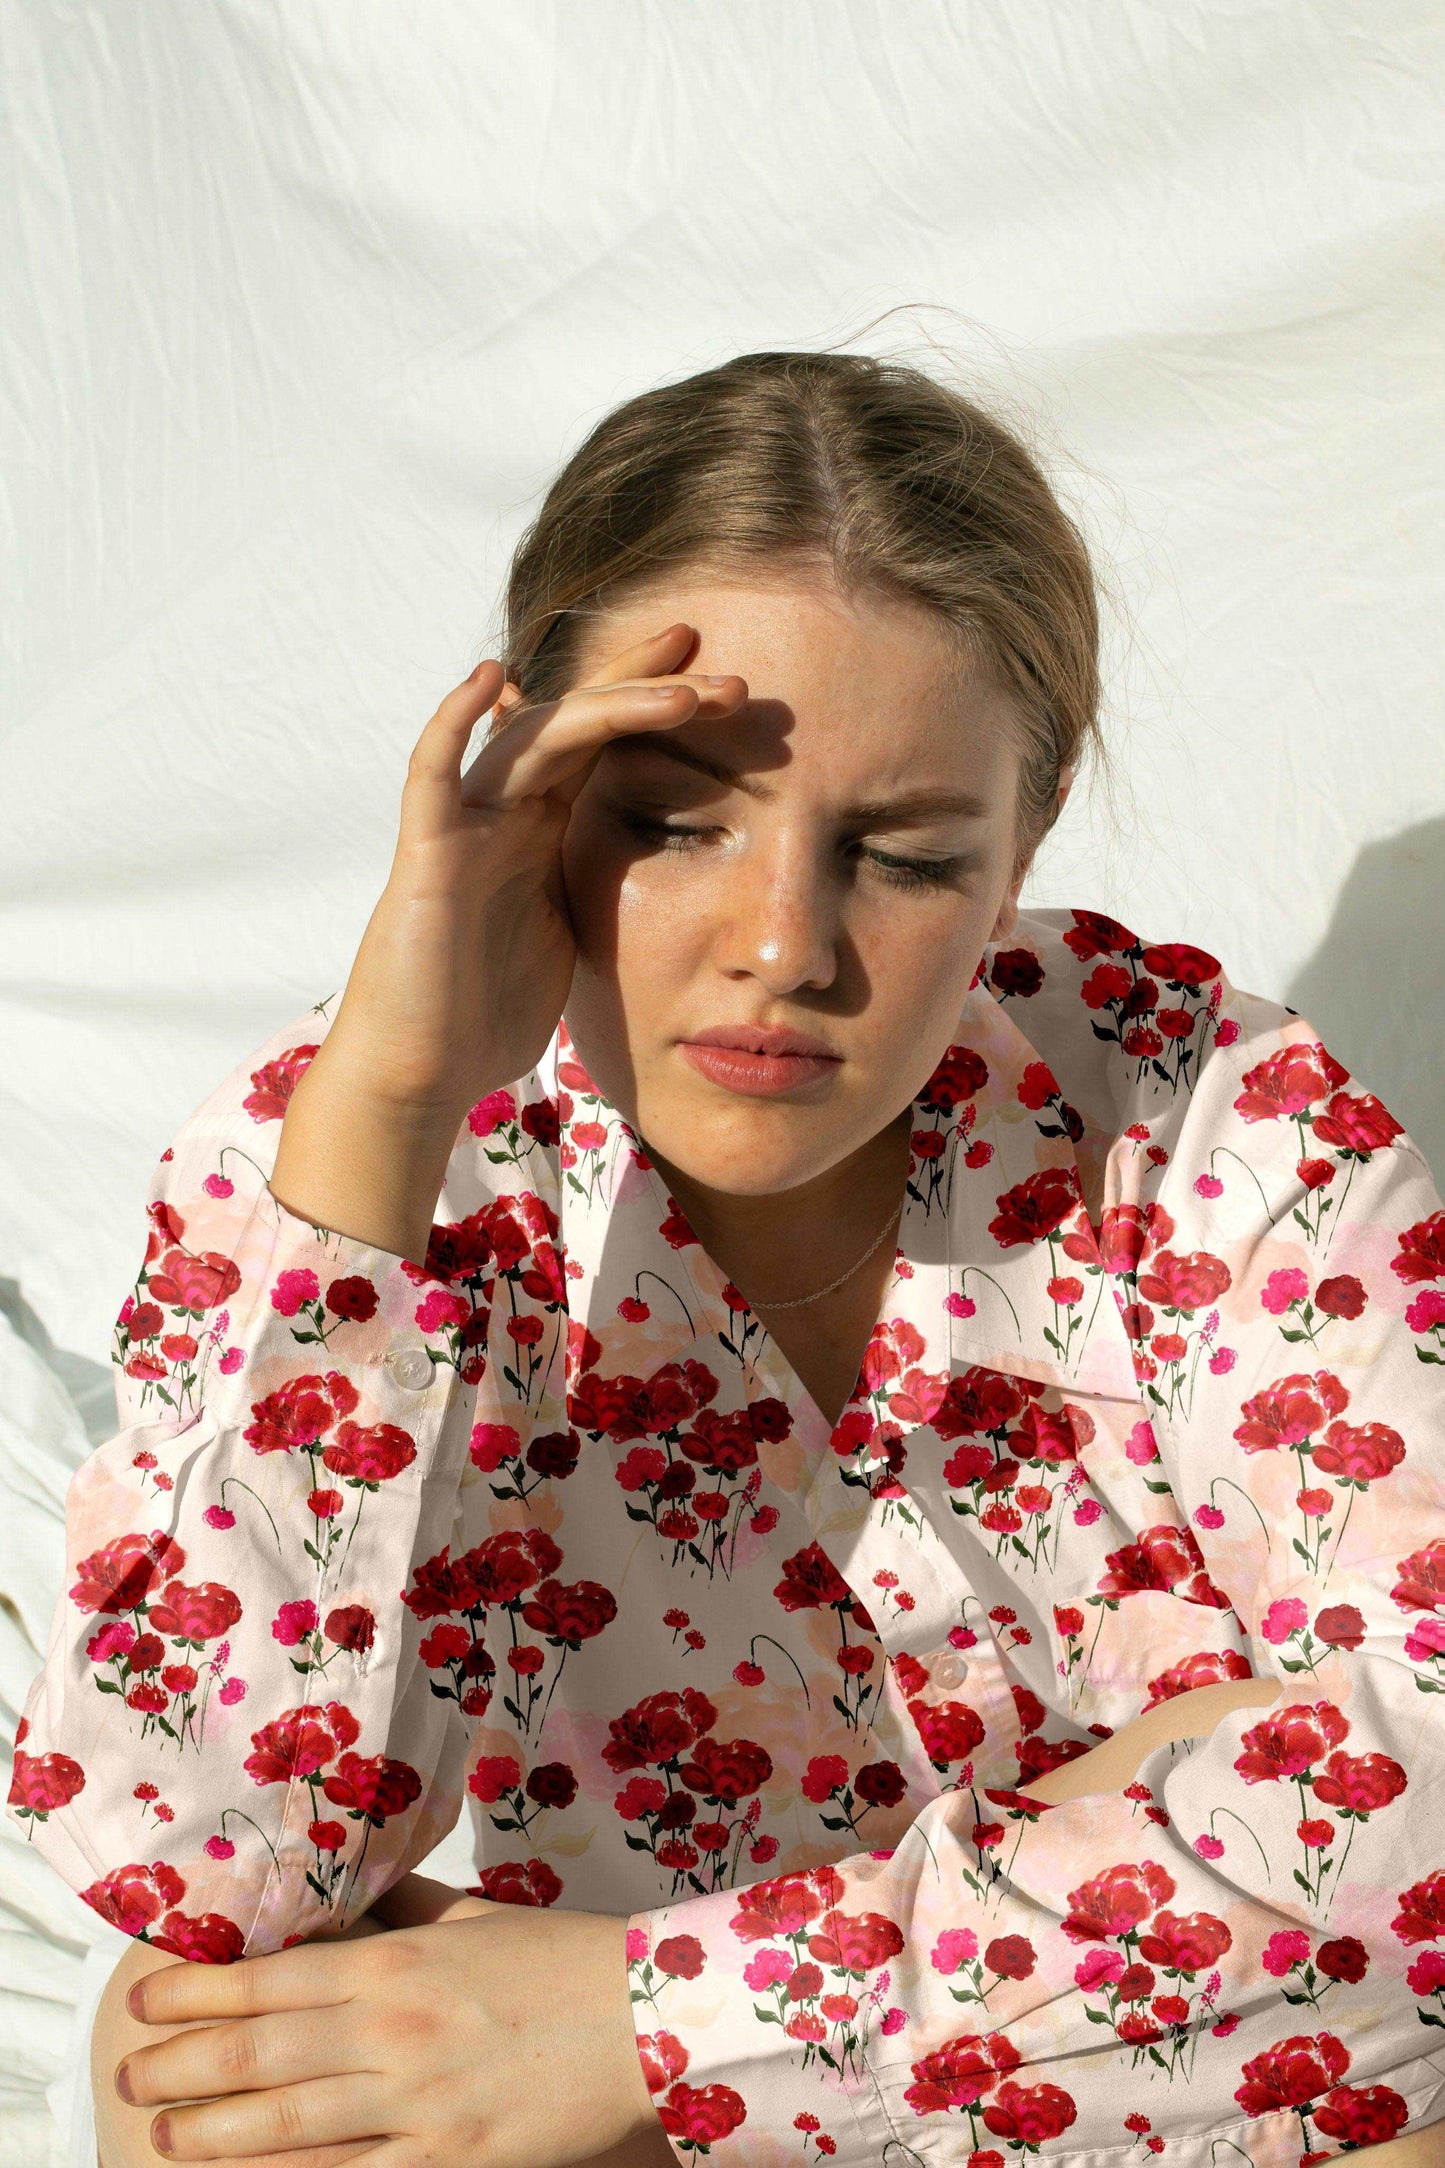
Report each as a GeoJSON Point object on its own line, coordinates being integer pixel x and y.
{"type": "Point", "coordinates": [997, 1263]}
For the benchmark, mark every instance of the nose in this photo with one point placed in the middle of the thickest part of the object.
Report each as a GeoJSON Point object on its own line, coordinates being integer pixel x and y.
{"type": "Point", "coordinates": [779, 922]}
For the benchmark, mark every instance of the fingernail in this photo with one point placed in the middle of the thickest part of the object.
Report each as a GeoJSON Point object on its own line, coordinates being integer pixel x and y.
{"type": "Point", "coordinates": [135, 2001]}
{"type": "Point", "coordinates": [161, 2134]}
{"type": "Point", "coordinates": [122, 2083]}
{"type": "Point", "coordinates": [717, 680]}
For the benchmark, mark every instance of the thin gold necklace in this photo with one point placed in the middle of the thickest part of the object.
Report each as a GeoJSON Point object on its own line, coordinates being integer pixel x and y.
{"type": "Point", "coordinates": [798, 1302]}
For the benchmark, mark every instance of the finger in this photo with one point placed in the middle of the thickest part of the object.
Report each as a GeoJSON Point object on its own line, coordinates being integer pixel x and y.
{"type": "Point", "coordinates": [312, 1976]}
{"type": "Point", "coordinates": [437, 755]}
{"type": "Point", "coordinates": [542, 749]}
{"type": "Point", "coordinates": [283, 2048]}
{"type": "Point", "coordinates": [323, 2111]}
{"type": "Point", "coordinates": [659, 651]}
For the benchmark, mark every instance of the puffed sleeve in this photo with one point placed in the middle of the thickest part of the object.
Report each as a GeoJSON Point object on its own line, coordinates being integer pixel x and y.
{"type": "Point", "coordinates": [237, 1738]}
{"type": "Point", "coordinates": [1249, 1942]}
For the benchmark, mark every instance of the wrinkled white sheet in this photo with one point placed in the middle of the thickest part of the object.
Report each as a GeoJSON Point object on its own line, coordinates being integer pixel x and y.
{"type": "Point", "coordinates": [303, 305]}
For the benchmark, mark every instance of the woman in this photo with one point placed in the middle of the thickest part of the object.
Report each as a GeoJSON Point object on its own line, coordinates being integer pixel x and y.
{"type": "Point", "coordinates": [754, 1437]}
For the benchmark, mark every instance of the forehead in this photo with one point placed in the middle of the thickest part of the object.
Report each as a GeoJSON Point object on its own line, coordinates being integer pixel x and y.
{"type": "Point", "coordinates": [869, 682]}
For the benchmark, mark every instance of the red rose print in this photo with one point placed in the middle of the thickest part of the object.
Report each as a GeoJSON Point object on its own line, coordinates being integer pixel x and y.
{"type": "Point", "coordinates": [786, 1905]}
{"type": "Point", "coordinates": [193, 1283]}
{"type": "Point", "coordinates": [500, 1569]}
{"type": "Point", "coordinates": [879, 1784]}
{"type": "Point", "coordinates": [374, 1786]}
{"type": "Point", "coordinates": [1095, 934]}
{"type": "Point", "coordinates": [210, 1939]}
{"type": "Point", "coordinates": [1012, 1957]}
{"type": "Point", "coordinates": [960, 1074]}
{"type": "Point", "coordinates": [727, 1771]}
{"type": "Point", "coordinates": [519, 1882]}
{"type": "Point", "coordinates": [493, 1775]}
{"type": "Point", "coordinates": [353, 1298]}
{"type": "Point", "coordinates": [1207, 1668]}
{"type": "Point", "coordinates": [1016, 971]}
{"type": "Point", "coordinates": [856, 1943]}
{"type": "Point", "coordinates": [1184, 1283]}
{"type": "Point", "coordinates": [1187, 1943]}
{"type": "Point", "coordinates": [371, 1455]}
{"type": "Point", "coordinates": [1421, 1586]}
{"type": "Point", "coordinates": [1290, 1411]}
{"type": "Point", "coordinates": [1035, 1207]}
{"type": "Point", "coordinates": [1288, 1083]}
{"type": "Point", "coordinates": [1346, 1958]}
{"type": "Point", "coordinates": [681, 1955]}
{"type": "Point", "coordinates": [41, 1783]}
{"type": "Point", "coordinates": [571, 1614]}
{"type": "Point", "coordinates": [122, 1574]}
{"type": "Point", "coordinates": [1421, 1254]}
{"type": "Point", "coordinates": [298, 1413]}
{"type": "Point", "coordinates": [1421, 1917]}
{"type": "Point", "coordinates": [554, 1454]}
{"type": "Point", "coordinates": [195, 1614]}
{"type": "Point", "coordinates": [1360, 1783]}
{"type": "Point", "coordinates": [298, 1743]}
{"type": "Point", "coordinates": [1361, 2115]}
{"type": "Point", "coordinates": [1292, 2073]}
{"type": "Point", "coordinates": [950, 1730]}
{"type": "Point", "coordinates": [275, 1081]}
{"type": "Point", "coordinates": [351, 1626]}
{"type": "Point", "coordinates": [132, 1898]}
{"type": "Point", "coordinates": [1341, 1626]}
{"type": "Point", "coordinates": [1362, 1452]}
{"type": "Point", "coordinates": [659, 1729]}
{"type": "Point", "coordinates": [701, 2115]}
{"type": "Point", "coordinates": [1027, 2114]}
{"type": "Point", "coordinates": [1180, 965]}
{"type": "Point", "coordinates": [1354, 1123]}
{"type": "Point", "coordinates": [976, 1401]}
{"type": "Point", "coordinates": [1116, 1902]}
{"type": "Point", "coordinates": [811, 1581]}
{"type": "Point", "coordinates": [1289, 1741]}
{"type": "Point", "coordinates": [1164, 1557]}
{"type": "Point", "coordinates": [958, 2074]}
{"type": "Point", "coordinates": [552, 1784]}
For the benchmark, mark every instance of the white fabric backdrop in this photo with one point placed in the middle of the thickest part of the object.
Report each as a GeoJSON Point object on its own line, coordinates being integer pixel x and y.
{"type": "Point", "coordinates": [305, 302]}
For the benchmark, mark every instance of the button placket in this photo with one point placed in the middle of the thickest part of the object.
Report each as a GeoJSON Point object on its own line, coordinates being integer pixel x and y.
{"type": "Point", "coordinates": [413, 1368]}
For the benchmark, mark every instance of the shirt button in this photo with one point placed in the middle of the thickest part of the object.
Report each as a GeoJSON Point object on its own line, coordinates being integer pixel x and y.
{"type": "Point", "coordinates": [412, 1367]}
{"type": "Point", "coordinates": [951, 1669]}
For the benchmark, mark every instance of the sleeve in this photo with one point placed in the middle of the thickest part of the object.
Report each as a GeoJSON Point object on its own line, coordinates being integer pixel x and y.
{"type": "Point", "coordinates": [1255, 1928]}
{"type": "Point", "coordinates": [235, 1740]}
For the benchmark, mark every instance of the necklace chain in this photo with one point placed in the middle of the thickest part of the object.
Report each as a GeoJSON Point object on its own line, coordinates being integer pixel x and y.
{"type": "Point", "coordinates": [798, 1302]}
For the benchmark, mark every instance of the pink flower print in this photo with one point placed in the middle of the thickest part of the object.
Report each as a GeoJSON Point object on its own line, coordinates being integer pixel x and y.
{"type": "Point", "coordinates": [1208, 1185]}
{"type": "Point", "coordinates": [233, 1691]}
{"type": "Point", "coordinates": [233, 1360]}
{"type": "Point", "coordinates": [1284, 1950]}
{"type": "Point", "coordinates": [293, 1622]}
{"type": "Point", "coordinates": [1208, 1516]}
{"type": "Point", "coordinates": [219, 1847]}
{"type": "Point", "coordinates": [441, 1308]}
{"type": "Point", "coordinates": [299, 1285]}
{"type": "Point", "coordinates": [1284, 1617]}
{"type": "Point", "coordinates": [1222, 1361]}
{"type": "Point", "coordinates": [489, 1114]}
{"type": "Point", "coordinates": [959, 1305]}
{"type": "Point", "coordinates": [219, 1517]}
{"type": "Point", "coordinates": [1209, 1847]}
{"type": "Point", "coordinates": [1287, 1285]}
{"type": "Point", "coordinates": [218, 1185]}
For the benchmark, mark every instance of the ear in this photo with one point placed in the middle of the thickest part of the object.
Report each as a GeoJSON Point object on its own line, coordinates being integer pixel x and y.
{"type": "Point", "coordinates": [1008, 910]}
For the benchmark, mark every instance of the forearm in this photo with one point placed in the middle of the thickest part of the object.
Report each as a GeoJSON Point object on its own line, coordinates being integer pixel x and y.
{"type": "Point", "coordinates": [1114, 1763]}
{"type": "Point", "coordinates": [360, 1165]}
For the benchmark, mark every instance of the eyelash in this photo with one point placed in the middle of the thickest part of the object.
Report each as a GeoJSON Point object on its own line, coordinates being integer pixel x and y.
{"type": "Point", "coordinates": [917, 875]}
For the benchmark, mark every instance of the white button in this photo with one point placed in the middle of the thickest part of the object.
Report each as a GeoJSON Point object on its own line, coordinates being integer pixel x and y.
{"type": "Point", "coordinates": [950, 1670]}
{"type": "Point", "coordinates": [411, 1367]}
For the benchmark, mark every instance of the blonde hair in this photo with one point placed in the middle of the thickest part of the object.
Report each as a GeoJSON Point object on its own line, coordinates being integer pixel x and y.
{"type": "Point", "coordinates": [891, 480]}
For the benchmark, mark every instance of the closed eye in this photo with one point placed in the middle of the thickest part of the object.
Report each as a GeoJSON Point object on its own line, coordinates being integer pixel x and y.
{"type": "Point", "coordinates": [916, 874]}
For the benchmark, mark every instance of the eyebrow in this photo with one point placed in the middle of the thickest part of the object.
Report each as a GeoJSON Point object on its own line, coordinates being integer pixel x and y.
{"type": "Point", "coordinates": [909, 805]}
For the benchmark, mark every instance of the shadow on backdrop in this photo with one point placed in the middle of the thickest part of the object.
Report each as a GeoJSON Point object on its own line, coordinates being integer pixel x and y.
{"type": "Point", "coordinates": [1372, 989]}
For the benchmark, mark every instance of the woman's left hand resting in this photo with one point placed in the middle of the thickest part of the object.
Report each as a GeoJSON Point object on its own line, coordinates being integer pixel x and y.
{"type": "Point", "coordinates": [476, 2034]}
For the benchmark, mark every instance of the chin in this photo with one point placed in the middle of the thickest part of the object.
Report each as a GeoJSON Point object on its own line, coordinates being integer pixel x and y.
{"type": "Point", "coordinates": [746, 1151]}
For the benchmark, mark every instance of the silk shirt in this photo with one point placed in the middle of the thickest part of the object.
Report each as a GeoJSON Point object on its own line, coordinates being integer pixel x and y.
{"type": "Point", "coordinates": [546, 1528]}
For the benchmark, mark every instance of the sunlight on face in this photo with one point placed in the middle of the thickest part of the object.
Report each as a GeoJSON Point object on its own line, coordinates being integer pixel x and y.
{"type": "Point", "coordinates": [839, 879]}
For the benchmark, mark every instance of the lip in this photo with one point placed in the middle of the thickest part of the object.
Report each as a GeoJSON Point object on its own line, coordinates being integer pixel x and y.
{"type": "Point", "coordinates": [762, 1039]}
{"type": "Point", "coordinates": [760, 1061]}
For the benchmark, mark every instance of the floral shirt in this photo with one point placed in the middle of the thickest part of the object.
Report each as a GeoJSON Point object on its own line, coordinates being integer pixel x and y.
{"type": "Point", "coordinates": [547, 1526]}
